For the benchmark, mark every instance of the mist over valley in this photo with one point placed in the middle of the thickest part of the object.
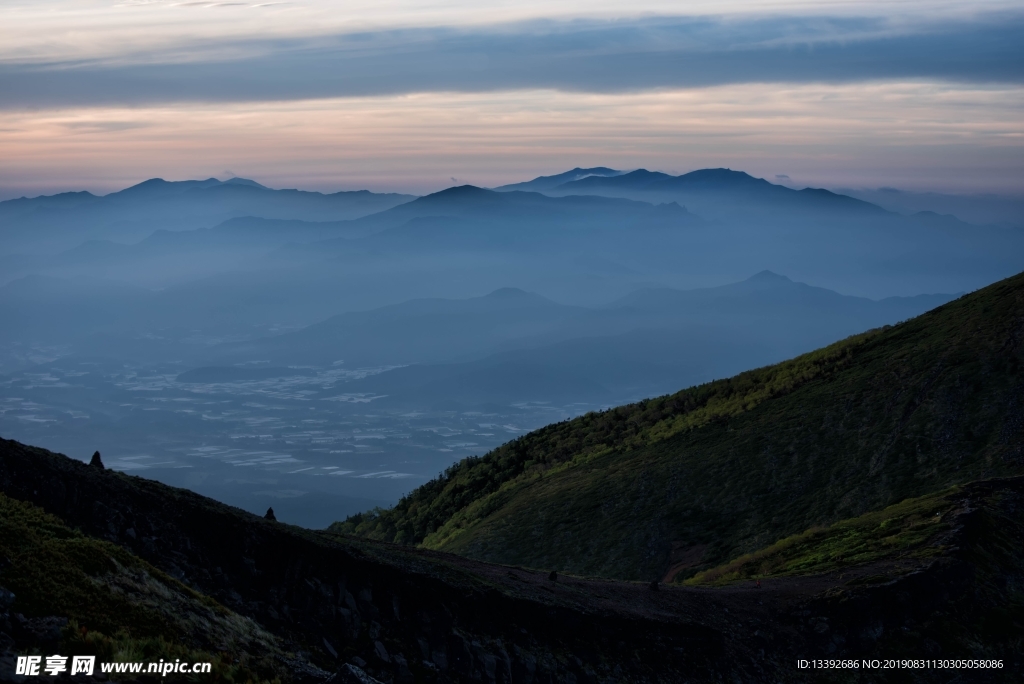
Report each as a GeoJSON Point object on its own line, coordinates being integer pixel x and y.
{"type": "Point", "coordinates": [328, 353]}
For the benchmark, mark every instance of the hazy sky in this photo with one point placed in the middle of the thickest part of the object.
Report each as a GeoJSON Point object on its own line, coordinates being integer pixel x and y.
{"type": "Point", "coordinates": [409, 95]}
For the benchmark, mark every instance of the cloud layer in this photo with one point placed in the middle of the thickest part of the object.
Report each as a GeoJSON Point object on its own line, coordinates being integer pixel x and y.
{"type": "Point", "coordinates": [573, 56]}
{"type": "Point", "coordinates": [910, 135]}
{"type": "Point", "coordinates": [405, 95]}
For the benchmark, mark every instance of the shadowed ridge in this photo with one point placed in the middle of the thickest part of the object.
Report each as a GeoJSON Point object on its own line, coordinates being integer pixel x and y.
{"type": "Point", "coordinates": [60, 198]}
{"type": "Point", "coordinates": [458, 191]}
{"type": "Point", "coordinates": [471, 196]}
{"type": "Point", "coordinates": [765, 281]}
{"type": "Point", "coordinates": [459, 196]}
{"type": "Point", "coordinates": [829, 198]}
{"type": "Point", "coordinates": [768, 276]}
{"type": "Point", "coordinates": [158, 187]}
{"type": "Point", "coordinates": [634, 180]}
{"type": "Point", "coordinates": [428, 330]}
{"type": "Point", "coordinates": [672, 210]}
{"type": "Point", "coordinates": [321, 594]}
{"type": "Point", "coordinates": [542, 183]}
{"type": "Point", "coordinates": [514, 293]}
{"type": "Point", "coordinates": [466, 208]}
{"type": "Point", "coordinates": [722, 180]}
{"type": "Point", "coordinates": [703, 179]}
{"type": "Point", "coordinates": [715, 179]}
{"type": "Point", "coordinates": [244, 181]}
{"type": "Point", "coordinates": [732, 185]}
{"type": "Point", "coordinates": [281, 603]}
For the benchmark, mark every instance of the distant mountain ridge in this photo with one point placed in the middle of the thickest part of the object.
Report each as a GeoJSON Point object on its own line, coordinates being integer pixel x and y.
{"type": "Point", "coordinates": [736, 184]}
{"type": "Point", "coordinates": [415, 331]}
{"type": "Point", "coordinates": [438, 330]}
{"type": "Point", "coordinates": [223, 246]}
{"type": "Point", "coordinates": [647, 343]}
{"type": "Point", "coordinates": [51, 222]}
{"type": "Point", "coordinates": [542, 183]}
{"type": "Point", "coordinates": [761, 290]}
{"type": "Point", "coordinates": [589, 226]}
{"type": "Point", "coordinates": [466, 201]}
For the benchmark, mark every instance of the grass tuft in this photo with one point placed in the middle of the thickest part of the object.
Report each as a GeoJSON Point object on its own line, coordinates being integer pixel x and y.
{"type": "Point", "coordinates": [907, 530]}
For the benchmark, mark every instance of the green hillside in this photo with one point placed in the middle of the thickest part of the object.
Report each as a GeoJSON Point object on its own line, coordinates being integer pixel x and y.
{"type": "Point", "coordinates": [671, 486]}
{"type": "Point", "coordinates": [963, 542]}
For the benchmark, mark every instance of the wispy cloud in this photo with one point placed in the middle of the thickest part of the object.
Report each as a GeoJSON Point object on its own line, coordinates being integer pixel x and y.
{"type": "Point", "coordinates": [402, 94]}
{"type": "Point", "coordinates": [572, 56]}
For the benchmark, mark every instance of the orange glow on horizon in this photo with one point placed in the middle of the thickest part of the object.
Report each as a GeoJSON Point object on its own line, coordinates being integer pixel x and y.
{"type": "Point", "coordinates": [920, 134]}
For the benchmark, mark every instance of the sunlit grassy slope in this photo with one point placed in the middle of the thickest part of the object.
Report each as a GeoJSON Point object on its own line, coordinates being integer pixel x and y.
{"type": "Point", "coordinates": [691, 480]}
{"type": "Point", "coordinates": [911, 530]}
{"type": "Point", "coordinates": [969, 532]}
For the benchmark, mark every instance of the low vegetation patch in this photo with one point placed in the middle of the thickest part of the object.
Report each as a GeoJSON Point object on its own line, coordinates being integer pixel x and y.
{"type": "Point", "coordinates": [120, 608]}
{"type": "Point", "coordinates": [54, 570]}
{"type": "Point", "coordinates": [910, 529]}
{"type": "Point", "coordinates": [122, 647]}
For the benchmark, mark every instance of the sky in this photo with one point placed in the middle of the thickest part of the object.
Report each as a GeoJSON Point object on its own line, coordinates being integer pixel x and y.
{"type": "Point", "coordinates": [415, 96]}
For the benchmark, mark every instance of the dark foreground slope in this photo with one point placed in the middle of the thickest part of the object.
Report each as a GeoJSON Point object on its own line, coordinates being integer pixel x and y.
{"type": "Point", "coordinates": [690, 480]}
{"type": "Point", "coordinates": [267, 600]}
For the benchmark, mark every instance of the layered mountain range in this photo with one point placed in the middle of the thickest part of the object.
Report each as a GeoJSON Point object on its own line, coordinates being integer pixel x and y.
{"type": "Point", "coordinates": [328, 353]}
